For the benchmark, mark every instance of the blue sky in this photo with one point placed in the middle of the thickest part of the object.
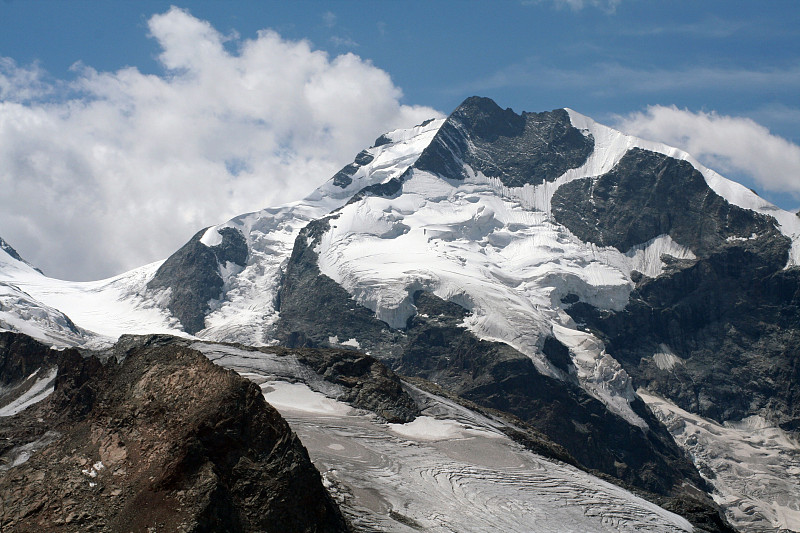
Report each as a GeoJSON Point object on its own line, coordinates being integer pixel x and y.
{"type": "Point", "coordinates": [720, 79]}
{"type": "Point", "coordinates": [605, 58]}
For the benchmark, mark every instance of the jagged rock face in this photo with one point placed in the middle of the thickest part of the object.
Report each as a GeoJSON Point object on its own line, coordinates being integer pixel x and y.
{"type": "Point", "coordinates": [518, 149]}
{"type": "Point", "coordinates": [717, 335]}
{"type": "Point", "coordinates": [164, 440]}
{"type": "Point", "coordinates": [20, 356]}
{"type": "Point", "coordinates": [313, 306]}
{"type": "Point", "coordinates": [367, 382]}
{"type": "Point", "coordinates": [717, 339]}
{"type": "Point", "coordinates": [649, 194]}
{"type": "Point", "coordinates": [27, 373]}
{"type": "Point", "coordinates": [193, 275]}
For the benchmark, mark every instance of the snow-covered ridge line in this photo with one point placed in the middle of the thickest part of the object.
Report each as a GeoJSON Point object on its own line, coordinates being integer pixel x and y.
{"type": "Point", "coordinates": [247, 313]}
{"type": "Point", "coordinates": [105, 309]}
{"type": "Point", "coordinates": [399, 149]}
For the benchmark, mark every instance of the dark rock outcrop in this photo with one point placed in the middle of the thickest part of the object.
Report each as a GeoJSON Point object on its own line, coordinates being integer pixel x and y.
{"type": "Point", "coordinates": [193, 275]}
{"type": "Point", "coordinates": [728, 320]}
{"type": "Point", "coordinates": [314, 308]}
{"type": "Point", "coordinates": [165, 440]}
{"type": "Point", "coordinates": [518, 149]}
{"type": "Point", "coordinates": [387, 189]}
{"type": "Point", "coordinates": [21, 356]}
{"type": "Point", "coordinates": [648, 194]}
{"type": "Point", "coordinates": [732, 330]}
{"type": "Point", "coordinates": [7, 248]}
{"type": "Point", "coordinates": [343, 178]}
{"type": "Point", "coordinates": [26, 371]}
{"type": "Point", "coordinates": [367, 383]}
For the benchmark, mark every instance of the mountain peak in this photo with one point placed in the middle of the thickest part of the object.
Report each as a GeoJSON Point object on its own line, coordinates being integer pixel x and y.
{"type": "Point", "coordinates": [525, 149]}
{"type": "Point", "coordinates": [7, 248]}
{"type": "Point", "coordinates": [487, 120]}
{"type": "Point", "coordinates": [540, 264]}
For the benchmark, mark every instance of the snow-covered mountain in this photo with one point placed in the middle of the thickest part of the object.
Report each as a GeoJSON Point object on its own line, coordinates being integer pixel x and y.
{"type": "Point", "coordinates": [540, 264]}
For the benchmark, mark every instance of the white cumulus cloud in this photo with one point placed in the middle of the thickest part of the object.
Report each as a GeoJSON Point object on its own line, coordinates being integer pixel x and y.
{"type": "Point", "coordinates": [115, 169]}
{"type": "Point", "coordinates": [730, 145]}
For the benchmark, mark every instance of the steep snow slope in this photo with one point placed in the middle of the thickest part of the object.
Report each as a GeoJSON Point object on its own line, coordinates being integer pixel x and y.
{"type": "Point", "coordinates": [68, 313]}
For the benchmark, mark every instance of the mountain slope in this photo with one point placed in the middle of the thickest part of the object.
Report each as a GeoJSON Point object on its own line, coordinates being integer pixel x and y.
{"type": "Point", "coordinates": [539, 263]}
{"type": "Point", "coordinates": [66, 313]}
{"type": "Point", "coordinates": [518, 265]}
{"type": "Point", "coordinates": [241, 293]}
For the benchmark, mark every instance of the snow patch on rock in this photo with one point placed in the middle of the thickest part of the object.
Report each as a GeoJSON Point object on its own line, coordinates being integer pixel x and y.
{"type": "Point", "coordinates": [665, 359]}
{"type": "Point", "coordinates": [299, 397]}
{"type": "Point", "coordinates": [211, 237]}
{"type": "Point", "coordinates": [599, 373]}
{"type": "Point", "coordinates": [433, 429]}
{"type": "Point", "coordinates": [40, 389]}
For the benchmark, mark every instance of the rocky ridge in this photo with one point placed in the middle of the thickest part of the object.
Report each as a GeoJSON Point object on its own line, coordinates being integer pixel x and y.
{"type": "Point", "coordinates": [162, 440]}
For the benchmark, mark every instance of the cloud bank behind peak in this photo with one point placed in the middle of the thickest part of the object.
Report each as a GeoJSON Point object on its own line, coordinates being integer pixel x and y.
{"type": "Point", "coordinates": [112, 170]}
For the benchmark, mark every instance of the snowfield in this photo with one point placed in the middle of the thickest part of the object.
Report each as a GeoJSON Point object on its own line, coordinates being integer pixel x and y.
{"type": "Point", "coordinates": [71, 313]}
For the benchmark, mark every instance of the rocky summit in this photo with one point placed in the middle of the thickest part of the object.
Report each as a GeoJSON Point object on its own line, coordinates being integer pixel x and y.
{"type": "Point", "coordinates": [603, 301]}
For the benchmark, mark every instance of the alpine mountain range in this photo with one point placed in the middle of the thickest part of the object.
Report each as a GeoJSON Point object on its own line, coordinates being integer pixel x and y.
{"type": "Point", "coordinates": [489, 322]}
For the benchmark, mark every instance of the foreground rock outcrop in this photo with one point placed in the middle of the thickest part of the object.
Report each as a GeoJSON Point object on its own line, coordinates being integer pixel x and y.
{"type": "Point", "coordinates": [162, 441]}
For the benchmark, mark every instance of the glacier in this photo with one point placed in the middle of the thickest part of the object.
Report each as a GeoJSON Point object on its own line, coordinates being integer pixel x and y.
{"type": "Point", "coordinates": [495, 250]}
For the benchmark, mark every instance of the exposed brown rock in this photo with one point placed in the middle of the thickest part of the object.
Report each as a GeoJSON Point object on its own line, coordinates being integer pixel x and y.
{"type": "Point", "coordinates": [165, 441]}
